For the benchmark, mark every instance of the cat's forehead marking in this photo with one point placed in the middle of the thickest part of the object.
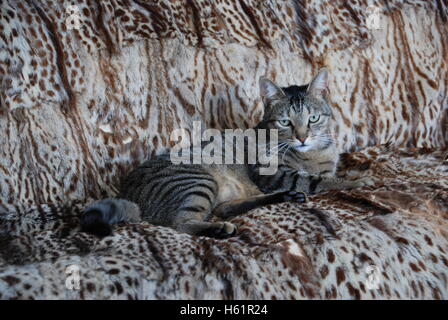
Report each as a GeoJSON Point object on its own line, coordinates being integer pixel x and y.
{"type": "Point", "coordinates": [298, 112]}
{"type": "Point", "coordinates": [297, 105]}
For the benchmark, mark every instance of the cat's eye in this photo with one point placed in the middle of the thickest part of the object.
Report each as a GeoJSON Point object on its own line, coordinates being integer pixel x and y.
{"type": "Point", "coordinates": [284, 123]}
{"type": "Point", "coordinates": [314, 119]}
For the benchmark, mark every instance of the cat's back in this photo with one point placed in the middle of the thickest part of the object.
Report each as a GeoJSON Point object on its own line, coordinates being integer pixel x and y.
{"type": "Point", "coordinates": [157, 170]}
{"type": "Point", "coordinates": [161, 187]}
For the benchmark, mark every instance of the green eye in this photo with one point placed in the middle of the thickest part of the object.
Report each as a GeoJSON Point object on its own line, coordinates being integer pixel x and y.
{"type": "Point", "coordinates": [284, 123]}
{"type": "Point", "coordinates": [314, 119]}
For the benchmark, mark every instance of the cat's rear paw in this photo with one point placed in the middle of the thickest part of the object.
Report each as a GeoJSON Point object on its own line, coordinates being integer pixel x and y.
{"type": "Point", "coordinates": [295, 196]}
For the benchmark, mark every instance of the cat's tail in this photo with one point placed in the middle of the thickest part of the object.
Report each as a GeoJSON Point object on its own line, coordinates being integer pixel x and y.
{"type": "Point", "coordinates": [100, 216]}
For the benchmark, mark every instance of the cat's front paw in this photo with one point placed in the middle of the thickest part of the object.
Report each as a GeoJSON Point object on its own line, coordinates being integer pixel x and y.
{"type": "Point", "coordinates": [224, 230]}
{"type": "Point", "coordinates": [295, 196]}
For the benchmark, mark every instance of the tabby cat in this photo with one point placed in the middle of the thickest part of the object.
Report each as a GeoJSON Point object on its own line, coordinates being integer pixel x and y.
{"type": "Point", "coordinates": [186, 196]}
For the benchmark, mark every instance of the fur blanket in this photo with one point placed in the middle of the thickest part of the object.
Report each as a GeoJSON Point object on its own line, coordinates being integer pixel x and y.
{"type": "Point", "coordinates": [89, 89]}
{"type": "Point", "coordinates": [389, 241]}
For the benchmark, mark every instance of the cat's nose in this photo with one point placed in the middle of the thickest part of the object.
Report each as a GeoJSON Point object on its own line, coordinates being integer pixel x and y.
{"type": "Point", "coordinates": [302, 140]}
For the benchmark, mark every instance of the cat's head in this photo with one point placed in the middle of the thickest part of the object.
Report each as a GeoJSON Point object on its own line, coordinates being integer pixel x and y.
{"type": "Point", "coordinates": [302, 115]}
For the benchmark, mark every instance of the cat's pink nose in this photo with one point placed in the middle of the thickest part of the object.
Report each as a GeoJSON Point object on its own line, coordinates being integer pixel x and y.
{"type": "Point", "coordinates": [302, 140]}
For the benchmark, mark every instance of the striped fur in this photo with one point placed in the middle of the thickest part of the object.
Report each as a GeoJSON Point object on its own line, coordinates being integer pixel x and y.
{"type": "Point", "coordinates": [308, 153]}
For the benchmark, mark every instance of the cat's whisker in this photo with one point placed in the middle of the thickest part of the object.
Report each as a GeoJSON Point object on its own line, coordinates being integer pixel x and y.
{"type": "Point", "coordinates": [326, 138]}
{"type": "Point", "coordinates": [289, 146]}
{"type": "Point", "coordinates": [278, 147]}
{"type": "Point", "coordinates": [277, 152]}
{"type": "Point", "coordinates": [284, 146]}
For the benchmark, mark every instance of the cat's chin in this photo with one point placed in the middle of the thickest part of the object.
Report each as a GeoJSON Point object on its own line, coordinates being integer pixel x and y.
{"type": "Point", "coordinates": [303, 149]}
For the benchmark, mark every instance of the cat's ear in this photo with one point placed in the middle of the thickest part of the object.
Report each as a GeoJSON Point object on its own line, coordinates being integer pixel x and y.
{"type": "Point", "coordinates": [318, 88]}
{"type": "Point", "coordinates": [269, 91]}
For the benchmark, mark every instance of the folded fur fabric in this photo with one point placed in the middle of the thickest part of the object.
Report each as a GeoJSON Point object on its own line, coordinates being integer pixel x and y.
{"type": "Point", "coordinates": [384, 242]}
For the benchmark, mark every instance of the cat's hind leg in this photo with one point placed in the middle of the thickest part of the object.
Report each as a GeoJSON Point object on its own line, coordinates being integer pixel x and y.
{"type": "Point", "coordinates": [193, 215]}
{"type": "Point", "coordinates": [219, 230]}
{"type": "Point", "coordinates": [193, 223]}
{"type": "Point", "coordinates": [230, 209]}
